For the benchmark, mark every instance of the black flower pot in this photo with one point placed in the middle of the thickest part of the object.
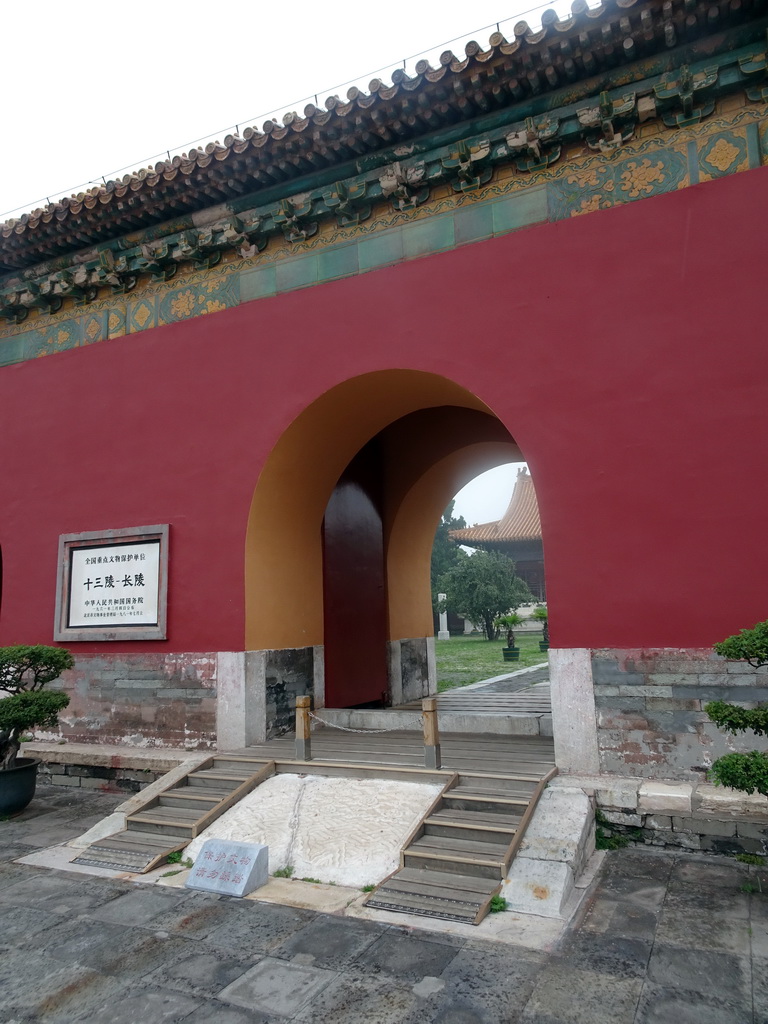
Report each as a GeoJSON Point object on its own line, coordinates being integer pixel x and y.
{"type": "Point", "coordinates": [511, 653]}
{"type": "Point", "coordinates": [17, 785]}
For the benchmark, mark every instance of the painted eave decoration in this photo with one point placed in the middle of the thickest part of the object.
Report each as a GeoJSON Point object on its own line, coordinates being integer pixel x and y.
{"type": "Point", "coordinates": [589, 79]}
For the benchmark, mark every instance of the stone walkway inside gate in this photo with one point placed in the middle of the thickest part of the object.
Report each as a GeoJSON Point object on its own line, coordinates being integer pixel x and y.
{"type": "Point", "coordinates": [524, 691]}
{"type": "Point", "coordinates": [514, 704]}
{"type": "Point", "coordinates": [660, 938]}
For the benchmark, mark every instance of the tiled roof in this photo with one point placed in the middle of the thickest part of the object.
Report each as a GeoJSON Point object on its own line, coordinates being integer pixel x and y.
{"type": "Point", "coordinates": [366, 129]}
{"type": "Point", "coordinates": [520, 522]}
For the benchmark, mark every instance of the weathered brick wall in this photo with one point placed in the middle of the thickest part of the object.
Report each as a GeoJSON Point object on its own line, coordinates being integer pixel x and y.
{"type": "Point", "coordinates": [141, 700]}
{"type": "Point", "coordinates": [649, 708]}
{"type": "Point", "coordinates": [107, 780]}
{"type": "Point", "coordinates": [289, 674]}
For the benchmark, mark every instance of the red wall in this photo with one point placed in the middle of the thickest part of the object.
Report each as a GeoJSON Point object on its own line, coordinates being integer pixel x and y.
{"type": "Point", "coordinates": [624, 350]}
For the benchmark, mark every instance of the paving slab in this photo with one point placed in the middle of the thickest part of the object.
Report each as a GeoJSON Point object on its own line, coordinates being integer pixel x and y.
{"type": "Point", "coordinates": [372, 999]}
{"type": "Point", "coordinates": [719, 975]}
{"type": "Point", "coordinates": [690, 928]}
{"type": "Point", "coordinates": [11, 873]}
{"type": "Point", "coordinates": [640, 863]}
{"type": "Point", "coordinates": [660, 1005]}
{"type": "Point", "coordinates": [330, 942]}
{"type": "Point", "coordinates": [472, 988]}
{"type": "Point", "coordinates": [197, 915]}
{"type": "Point", "coordinates": [23, 923]}
{"type": "Point", "coordinates": [714, 902]}
{"type": "Point", "coordinates": [140, 905]}
{"type": "Point", "coordinates": [758, 930]}
{"type": "Point", "coordinates": [610, 955]}
{"type": "Point", "coordinates": [277, 987]}
{"type": "Point", "coordinates": [645, 893]}
{"type": "Point", "coordinates": [722, 874]}
{"type": "Point", "coordinates": [32, 983]}
{"type": "Point", "coordinates": [760, 988]}
{"type": "Point", "coordinates": [568, 995]}
{"type": "Point", "coordinates": [619, 918]}
{"type": "Point", "coordinates": [259, 929]}
{"type": "Point", "coordinates": [58, 892]}
{"type": "Point", "coordinates": [202, 972]}
{"type": "Point", "coordinates": [111, 949]}
{"type": "Point", "coordinates": [407, 956]}
{"type": "Point", "coordinates": [149, 1004]}
{"type": "Point", "coordinates": [214, 1012]}
{"type": "Point", "coordinates": [52, 835]}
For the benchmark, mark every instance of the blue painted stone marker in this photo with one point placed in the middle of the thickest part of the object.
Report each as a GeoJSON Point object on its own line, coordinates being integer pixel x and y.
{"type": "Point", "coordinates": [230, 868]}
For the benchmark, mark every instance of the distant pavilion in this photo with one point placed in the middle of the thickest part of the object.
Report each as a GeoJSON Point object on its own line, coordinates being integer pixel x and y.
{"type": "Point", "coordinates": [517, 534]}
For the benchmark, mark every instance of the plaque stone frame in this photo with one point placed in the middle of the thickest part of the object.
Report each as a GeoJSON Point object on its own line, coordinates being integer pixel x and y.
{"type": "Point", "coordinates": [72, 546]}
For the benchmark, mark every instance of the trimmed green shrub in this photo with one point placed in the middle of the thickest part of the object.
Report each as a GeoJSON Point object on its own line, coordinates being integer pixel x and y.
{"type": "Point", "coordinates": [746, 772]}
{"type": "Point", "coordinates": [30, 668]}
{"type": "Point", "coordinates": [750, 645]}
{"type": "Point", "coordinates": [24, 671]}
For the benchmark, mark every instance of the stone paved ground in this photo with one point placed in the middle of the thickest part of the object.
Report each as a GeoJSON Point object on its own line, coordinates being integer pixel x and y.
{"type": "Point", "coordinates": [662, 940]}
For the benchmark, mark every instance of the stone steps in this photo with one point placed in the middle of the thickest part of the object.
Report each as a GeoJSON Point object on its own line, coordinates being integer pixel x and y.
{"type": "Point", "coordinates": [458, 856]}
{"type": "Point", "coordinates": [171, 819]}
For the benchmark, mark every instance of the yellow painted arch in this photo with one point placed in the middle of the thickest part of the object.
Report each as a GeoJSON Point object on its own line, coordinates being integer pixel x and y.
{"type": "Point", "coordinates": [429, 456]}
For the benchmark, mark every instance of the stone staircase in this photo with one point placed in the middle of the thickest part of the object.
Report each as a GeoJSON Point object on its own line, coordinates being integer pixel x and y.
{"type": "Point", "coordinates": [171, 819]}
{"type": "Point", "coordinates": [456, 859]}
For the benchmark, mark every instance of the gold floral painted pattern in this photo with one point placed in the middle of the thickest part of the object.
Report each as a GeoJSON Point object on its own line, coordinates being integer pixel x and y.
{"type": "Point", "coordinates": [722, 155]}
{"type": "Point", "coordinates": [183, 304]}
{"type": "Point", "coordinates": [641, 177]}
{"type": "Point", "coordinates": [142, 314]}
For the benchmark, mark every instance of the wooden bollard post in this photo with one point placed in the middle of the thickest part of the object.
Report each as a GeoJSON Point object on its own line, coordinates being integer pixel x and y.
{"type": "Point", "coordinates": [303, 734]}
{"type": "Point", "coordinates": [431, 733]}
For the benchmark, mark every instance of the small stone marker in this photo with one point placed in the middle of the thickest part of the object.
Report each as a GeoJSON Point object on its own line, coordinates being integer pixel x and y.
{"type": "Point", "coordinates": [231, 868]}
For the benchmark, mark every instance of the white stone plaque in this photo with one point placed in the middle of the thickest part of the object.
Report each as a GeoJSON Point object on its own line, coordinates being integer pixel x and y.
{"type": "Point", "coordinates": [113, 585]}
{"type": "Point", "coordinates": [230, 868]}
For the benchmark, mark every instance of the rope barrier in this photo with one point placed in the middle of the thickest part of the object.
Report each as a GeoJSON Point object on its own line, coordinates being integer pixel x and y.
{"type": "Point", "coordinates": [344, 728]}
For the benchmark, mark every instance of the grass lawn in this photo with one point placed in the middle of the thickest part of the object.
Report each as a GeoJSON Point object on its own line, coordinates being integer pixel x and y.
{"type": "Point", "coordinates": [468, 659]}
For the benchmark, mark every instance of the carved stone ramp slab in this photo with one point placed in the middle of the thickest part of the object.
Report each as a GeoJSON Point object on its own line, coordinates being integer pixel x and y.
{"type": "Point", "coordinates": [457, 857]}
{"type": "Point", "coordinates": [171, 819]}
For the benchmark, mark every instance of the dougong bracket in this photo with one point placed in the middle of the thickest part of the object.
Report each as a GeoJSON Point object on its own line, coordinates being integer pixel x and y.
{"type": "Point", "coordinates": [679, 92]}
{"type": "Point", "coordinates": [536, 146]}
{"type": "Point", "coordinates": [610, 124]}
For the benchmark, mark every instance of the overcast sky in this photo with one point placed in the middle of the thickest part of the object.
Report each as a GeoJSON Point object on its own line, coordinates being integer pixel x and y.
{"type": "Point", "coordinates": [89, 90]}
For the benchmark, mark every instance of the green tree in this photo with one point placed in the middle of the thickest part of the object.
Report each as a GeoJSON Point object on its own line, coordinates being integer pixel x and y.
{"type": "Point", "coordinates": [483, 587]}
{"type": "Point", "coordinates": [445, 553]}
{"type": "Point", "coordinates": [745, 772]}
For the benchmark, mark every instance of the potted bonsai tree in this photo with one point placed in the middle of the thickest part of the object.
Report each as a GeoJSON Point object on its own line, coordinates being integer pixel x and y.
{"type": "Point", "coordinates": [542, 615]}
{"type": "Point", "coordinates": [24, 671]}
{"type": "Point", "coordinates": [511, 652]}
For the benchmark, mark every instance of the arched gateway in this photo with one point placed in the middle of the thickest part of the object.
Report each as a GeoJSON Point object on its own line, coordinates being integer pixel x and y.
{"type": "Point", "coordinates": [341, 530]}
{"type": "Point", "coordinates": [543, 248]}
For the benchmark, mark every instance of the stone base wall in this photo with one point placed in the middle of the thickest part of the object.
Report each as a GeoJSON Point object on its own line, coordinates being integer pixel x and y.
{"type": "Point", "coordinates": [677, 815]}
{"type": "Point", "coordinates": [108, 780]}
{"type": "Point", "coordinates": [412, 670]}
{"type": "Point", "coordinates": [649, 710]}
{"type": "Point", "coordinates": [141, 700]}
{"type": "Point", "coordinates": [288, 674]}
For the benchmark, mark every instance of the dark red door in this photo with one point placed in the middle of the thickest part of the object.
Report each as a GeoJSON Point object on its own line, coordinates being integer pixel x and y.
{"type": "Point", "coordinates": [354, 586]}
